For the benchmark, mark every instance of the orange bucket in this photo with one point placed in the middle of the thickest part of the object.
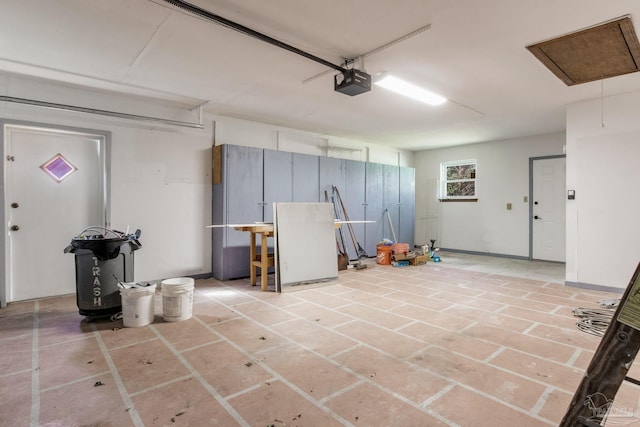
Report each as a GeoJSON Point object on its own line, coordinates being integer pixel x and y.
{"type": "Point", "coordinates": [383, 254]}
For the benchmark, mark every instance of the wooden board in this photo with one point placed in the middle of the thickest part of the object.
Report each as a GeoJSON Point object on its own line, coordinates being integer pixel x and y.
{"type": "Point", "coordinates": [305, 244]}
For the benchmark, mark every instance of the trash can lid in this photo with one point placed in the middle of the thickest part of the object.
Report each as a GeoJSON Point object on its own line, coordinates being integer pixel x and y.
{"type": "Point", "coordinates": [103, 242]}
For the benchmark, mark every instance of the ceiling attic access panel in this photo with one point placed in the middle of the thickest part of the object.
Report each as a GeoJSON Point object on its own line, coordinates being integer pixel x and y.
{"type": "Point", "coordinates": [606, 50]}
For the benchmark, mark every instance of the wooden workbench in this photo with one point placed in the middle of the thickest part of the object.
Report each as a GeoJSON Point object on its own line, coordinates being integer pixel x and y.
{"type": "Point", "coordinates": [264, 260]}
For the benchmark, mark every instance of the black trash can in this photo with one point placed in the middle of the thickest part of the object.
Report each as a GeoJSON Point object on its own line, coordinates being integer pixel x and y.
{"type": "Point", "coordinates": [103, 258]}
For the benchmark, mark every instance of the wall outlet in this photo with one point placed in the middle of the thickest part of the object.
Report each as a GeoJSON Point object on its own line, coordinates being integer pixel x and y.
{"type": "Point", "coordinates": [525, 199]}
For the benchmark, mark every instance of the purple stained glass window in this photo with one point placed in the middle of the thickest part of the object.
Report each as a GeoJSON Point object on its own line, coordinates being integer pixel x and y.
{"type": "Point", "coordinates": [58, 167]}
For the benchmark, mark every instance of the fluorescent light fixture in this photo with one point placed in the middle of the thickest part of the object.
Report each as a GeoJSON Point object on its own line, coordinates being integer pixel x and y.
{"type": "Point", "coordinates": [410, 90]}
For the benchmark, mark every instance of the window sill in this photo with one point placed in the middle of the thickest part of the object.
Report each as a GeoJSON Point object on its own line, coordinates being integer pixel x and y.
{"type": "Point", "coordinates": [458, 200]}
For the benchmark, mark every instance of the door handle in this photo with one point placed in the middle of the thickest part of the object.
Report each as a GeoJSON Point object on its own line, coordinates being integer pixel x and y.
{"type": "Point", "coordinates": [15, 228]}
{"type": "Point", "coordinates": [537, 217]}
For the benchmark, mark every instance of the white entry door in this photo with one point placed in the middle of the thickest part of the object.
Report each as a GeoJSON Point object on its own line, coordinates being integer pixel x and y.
{"type": "Point", "coordinates": [548, 213]}
{"type": "Point", "coordinates": [54, 189]}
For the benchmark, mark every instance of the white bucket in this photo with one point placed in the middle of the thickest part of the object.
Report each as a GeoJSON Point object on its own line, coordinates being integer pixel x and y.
{"type": "Point", "coordinates": [177, 298]}
{"type": "Point", "coordinates": [137, 305]}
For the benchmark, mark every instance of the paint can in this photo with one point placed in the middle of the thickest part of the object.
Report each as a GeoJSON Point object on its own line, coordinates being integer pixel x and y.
{"type": "Point", "coordinates": [177, 298]}
{"type": "Point", "coordinates": [137, 304]}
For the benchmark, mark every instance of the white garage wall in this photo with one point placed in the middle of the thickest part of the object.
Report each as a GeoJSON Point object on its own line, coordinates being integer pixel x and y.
{"type": "Point", "coordinates": [484, 226]}
{"type": "Point", "coordinates": [161, 180]}
{"type": "Point", "coordinates": [243, 132]}
{"type": "Point", "coordinates": [160, 183]}
{"type": "Point", "coordinates": [603, 148]}
{"type": "Point", "coordinates": [160, 174]}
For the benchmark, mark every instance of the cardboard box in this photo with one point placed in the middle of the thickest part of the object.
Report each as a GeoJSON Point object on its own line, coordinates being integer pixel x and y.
{"type": "Point", "coordinates": [400, 257]}
{"type": "Point", "coordinates": [419, 260]}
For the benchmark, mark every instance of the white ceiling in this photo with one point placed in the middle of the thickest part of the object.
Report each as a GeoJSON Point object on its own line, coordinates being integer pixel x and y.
{"type": "Point", "coordinates": [473, 53]}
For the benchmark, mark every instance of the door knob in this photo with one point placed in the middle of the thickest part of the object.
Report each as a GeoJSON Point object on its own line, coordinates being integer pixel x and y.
{"type": "Point", "coordinates": [15, 228]}
{"type": "Point", "coordinates": [14, 205]}
{"type": "Point", "coordinates": [537, 217]}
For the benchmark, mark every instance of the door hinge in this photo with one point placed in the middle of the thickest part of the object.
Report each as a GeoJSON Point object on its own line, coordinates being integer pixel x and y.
{"type": "Point", "coordinates": [11, 158]}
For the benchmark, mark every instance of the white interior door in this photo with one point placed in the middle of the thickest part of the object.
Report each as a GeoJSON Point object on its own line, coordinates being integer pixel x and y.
{"type": "Point", "coordinates": [45, 212]}
{"type": "Point", "coordinates": [548, 213]}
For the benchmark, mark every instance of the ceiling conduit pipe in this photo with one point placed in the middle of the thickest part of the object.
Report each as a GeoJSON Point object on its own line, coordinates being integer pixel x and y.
{"type": "Point", "coordinates": [249, 32]}
{"type": "Point", "coordinates": [65, 107]}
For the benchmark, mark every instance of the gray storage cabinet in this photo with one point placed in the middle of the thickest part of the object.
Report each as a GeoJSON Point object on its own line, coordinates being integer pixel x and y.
{"type": "Point", "coordinates": [306, 178]}
{"type": "Point", "coordinates": [349, 177]}
{"type": "Point", "coordinates": [391, 197]}
{"type": "Point", "coordinates": [331, 173]}
{"type": "Point", "coordinates": [406, 222]}
{"type": "Point", "coordinates": [374, 207]}
{"type": "Point", "coordinates": [247, 181]}
{"type": "Point", "coordinates": [277, 180]}
{"type": "Point", "coordinates": [354, 200]}
{"type": "Point", "coordinates": [289, 177]}
{"type": "Point", "coordinates": [237, 199]}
